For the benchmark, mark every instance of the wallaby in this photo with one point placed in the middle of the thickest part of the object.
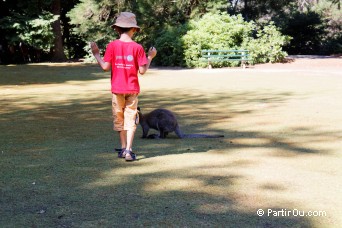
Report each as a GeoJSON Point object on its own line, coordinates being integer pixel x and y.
{"type": "Point", "coordinates": [165, 122]}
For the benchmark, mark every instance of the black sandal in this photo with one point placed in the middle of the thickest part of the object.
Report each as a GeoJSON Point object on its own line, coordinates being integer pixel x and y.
{"type": "Point", "coordinates": [130, 156]}
{"type": "Point", "coordinates": [122, 153]}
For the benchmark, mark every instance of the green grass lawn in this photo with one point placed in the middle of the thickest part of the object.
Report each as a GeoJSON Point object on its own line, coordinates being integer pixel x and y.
{"type": "Point", "coordinates": [58, 166]}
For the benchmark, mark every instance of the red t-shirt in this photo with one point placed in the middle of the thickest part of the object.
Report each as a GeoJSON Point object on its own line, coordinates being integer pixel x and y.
{"type": "Point", "coordinates": [125, 57]}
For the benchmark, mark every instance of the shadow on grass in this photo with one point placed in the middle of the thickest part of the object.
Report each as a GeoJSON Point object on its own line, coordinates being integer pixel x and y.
{"type": "Point", "coordinates": [47, 74]}
{"type": "Point", "coordinates": [197, 113]}
{"type": "Point", "coordinates": [58, 168]}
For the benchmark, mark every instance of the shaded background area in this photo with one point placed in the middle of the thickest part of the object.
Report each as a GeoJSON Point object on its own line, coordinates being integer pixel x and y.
{"type": "Point", "coordinates": [281, 150]}
{"type": "Point", "coordinates": [40, 31]}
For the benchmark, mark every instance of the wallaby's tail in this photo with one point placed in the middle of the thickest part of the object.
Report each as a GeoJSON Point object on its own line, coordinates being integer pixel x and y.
{"type": "Point", "coordinates": [193, 136]}
{"type": "Point", "coordinates": [181, 135]}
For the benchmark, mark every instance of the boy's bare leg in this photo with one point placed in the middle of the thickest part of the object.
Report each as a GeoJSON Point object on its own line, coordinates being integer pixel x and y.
{"type": "Point", "coordinates": [123, 139]}
{"type": "Point", "coordinates": [130, 137]}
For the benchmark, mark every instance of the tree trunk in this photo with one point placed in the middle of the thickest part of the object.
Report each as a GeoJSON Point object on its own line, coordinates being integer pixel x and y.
{"type": "Point", "coordinates": [246, 10]}
{"type": "Point", "coordinates": [58, 50]}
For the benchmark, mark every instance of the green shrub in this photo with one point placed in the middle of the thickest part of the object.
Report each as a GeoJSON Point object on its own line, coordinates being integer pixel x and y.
{"type": "Point", "coordinates": [214, 31]}
{"type": "Point", "coordinates": [331, 15]}
{"type": "Point", "coordinates": [268, 45]}
{"type": "Point", "coordinates": [222, 31]}
{"type": "Point", "coordinates": [307, 31]}
{"type": "Point", "coordinates": [170, 47]}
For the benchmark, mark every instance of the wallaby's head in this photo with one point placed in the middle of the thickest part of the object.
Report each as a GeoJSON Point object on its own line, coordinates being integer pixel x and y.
{"type": "Point", "coordinates": [140, 114]}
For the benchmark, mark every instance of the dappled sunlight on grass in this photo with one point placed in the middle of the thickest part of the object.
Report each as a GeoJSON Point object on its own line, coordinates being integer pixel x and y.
{"type": "Point", "coordinates": [59, 167]}
{"type": "Point", "coordinates": [251, 141]}
{"type": "Point", "coordinates": [108, 179]}
{"type": "Point", "coordinates": [174, 184]}
{"type": "Point", "coordinates": [238, 184]}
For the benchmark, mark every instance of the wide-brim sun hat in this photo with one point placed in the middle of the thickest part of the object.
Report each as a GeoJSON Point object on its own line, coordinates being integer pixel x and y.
{"type": "Point", "coordinates": [126, 20]}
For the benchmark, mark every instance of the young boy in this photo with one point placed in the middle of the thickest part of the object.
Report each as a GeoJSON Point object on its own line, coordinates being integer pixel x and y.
{"type": "Point", "coordinates": [125, 58]}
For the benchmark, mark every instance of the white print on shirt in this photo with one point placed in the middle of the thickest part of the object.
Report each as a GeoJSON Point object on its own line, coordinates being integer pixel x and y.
{"type": "Point", "coordinates": [129, 58]}
{"type": "Point", "coordinates": [123, 66]}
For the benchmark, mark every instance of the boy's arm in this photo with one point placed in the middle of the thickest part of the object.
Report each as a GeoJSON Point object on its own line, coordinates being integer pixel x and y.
{"type": "Point", "coordinates": [96, 52]}
{"type": "Point", "coordinates": [151, 54]}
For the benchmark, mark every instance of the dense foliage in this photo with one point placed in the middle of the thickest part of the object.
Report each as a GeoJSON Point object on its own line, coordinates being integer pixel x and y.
{"type": "Point", "coordinates": [63, 28]}
{"type": "Point", "coordinates": [215, 31]}
{"type": "Point", "coordinates": [224, 32]}
{"type": "Point", "coordinates": [34, 31]}
{"type": "Point", "coordinates": [170, 44]}
{"type": "Point", "coordinates": [332, 24]}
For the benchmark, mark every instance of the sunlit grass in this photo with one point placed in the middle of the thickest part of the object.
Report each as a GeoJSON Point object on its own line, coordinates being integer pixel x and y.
{"type": "Point", "coordinates": [58, 168]}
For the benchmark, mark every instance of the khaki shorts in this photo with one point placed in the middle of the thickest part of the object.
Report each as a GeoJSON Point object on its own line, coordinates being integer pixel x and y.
{"type": "Point", "coordinates": [125, 111]}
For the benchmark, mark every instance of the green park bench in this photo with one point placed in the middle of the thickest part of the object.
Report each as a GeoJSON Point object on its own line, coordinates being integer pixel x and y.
{"type": "Point", "coordinates": [226, 56]}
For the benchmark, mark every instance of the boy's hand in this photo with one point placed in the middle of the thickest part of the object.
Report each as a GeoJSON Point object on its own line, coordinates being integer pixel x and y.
{"type": "Point", "coordinates": [96, 52]}
{"type": "Point", "coordinates": [94, 48]}
{"type": "Point", "coordinates": [152, 52]}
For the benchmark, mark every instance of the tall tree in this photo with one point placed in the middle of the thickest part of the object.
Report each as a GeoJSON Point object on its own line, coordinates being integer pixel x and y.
{"type": "Point", "coordinates": [35, 23]}
{"type": "Point", "coordinates": [58, 50]}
